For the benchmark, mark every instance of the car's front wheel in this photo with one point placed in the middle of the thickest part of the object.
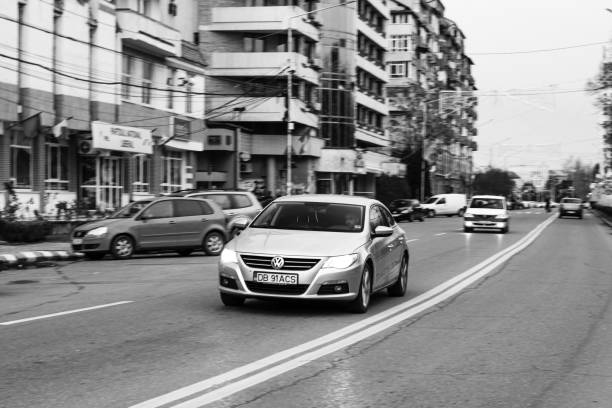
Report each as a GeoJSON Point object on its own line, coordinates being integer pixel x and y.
{"type": "Point", "coordinates": [231, 300]}
{"type": "Point", "coordinates": [398, 289]}
{"type": "Point", "coordinates": [361, 302]}
{"type": "Point", "coordinates": [122, 247]}
{"type": "Point", "coordinates": [431, 213]}
{"type": "Point", "coordinates": [213, 243]}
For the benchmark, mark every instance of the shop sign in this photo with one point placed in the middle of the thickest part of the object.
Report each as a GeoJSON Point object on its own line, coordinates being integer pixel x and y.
{"type": "Point", "coordinates": [122, 138]}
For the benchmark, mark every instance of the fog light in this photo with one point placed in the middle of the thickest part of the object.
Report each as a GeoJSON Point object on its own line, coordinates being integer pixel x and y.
{"type": "Point", "coordinates": [338, 288]}
{"type": "Point", "coordinates": [333, 288]}
{"type": "Point", "coordinates": [228, 282]}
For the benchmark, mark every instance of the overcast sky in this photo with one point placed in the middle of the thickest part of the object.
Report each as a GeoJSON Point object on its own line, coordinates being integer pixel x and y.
{"type": "Point", "coordinates": [527, 130]}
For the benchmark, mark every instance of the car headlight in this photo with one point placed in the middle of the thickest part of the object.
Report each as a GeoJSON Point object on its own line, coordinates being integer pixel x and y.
{"type": "Point", "coordinates": [468, 216]}
{"type": "Point", "coordinates": [501, 217]}
{"type": "Point", "coordinates": [228, 256]}
{"type": "Point", "coordinates": [97, 232]}
{"type": "Point", "coordinates": [406, 211]}
{"type": "Point", "coordinates": [341, 262]}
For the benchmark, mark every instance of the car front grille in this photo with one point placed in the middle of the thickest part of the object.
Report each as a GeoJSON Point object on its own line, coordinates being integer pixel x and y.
{"type": "Point", "coordinates": [291, 264]}
{"type": "Point", "coordinates": [276, 289]}
{"type": "Point", "coordinates": [484, 217]}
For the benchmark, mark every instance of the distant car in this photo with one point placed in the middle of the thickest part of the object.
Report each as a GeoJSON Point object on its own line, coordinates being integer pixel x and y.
{"type": "Point", "coordinates": [445, 204]}
{"type": "Point", "coordinates": [236, 205]}
{"type": "Point", "coordinates": [570, 206]}
{"type": "Point", "coordinates": [176, 224]}
{"type": "Point", "coordinates": [486, 212]}
{"type": "Point", "coordinates": [407, 209]}
{"type": "Point", "coordinates": [316, 247]}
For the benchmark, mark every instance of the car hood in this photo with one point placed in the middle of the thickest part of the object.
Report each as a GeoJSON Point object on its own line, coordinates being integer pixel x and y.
{"type": "Point", "coordinates": [485, 211]}
{"type": "Point", "coordinates": [297, 242]}
{"type": "Point", "coordinates": [100, 223]}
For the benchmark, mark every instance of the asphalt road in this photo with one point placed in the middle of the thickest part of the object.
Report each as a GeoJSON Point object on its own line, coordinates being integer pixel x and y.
{"type": "Point", "coordinates": [522, 329]}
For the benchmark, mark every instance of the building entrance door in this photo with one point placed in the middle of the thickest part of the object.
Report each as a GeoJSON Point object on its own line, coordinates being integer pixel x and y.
{"type": "Point", "coordinates": [110, 170]}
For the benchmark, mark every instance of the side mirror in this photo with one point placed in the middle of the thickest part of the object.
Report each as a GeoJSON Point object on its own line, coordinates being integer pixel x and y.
{"type": "Point", "coordinates": [241, 224]}
{"type": "Point", "coordinates": [382, 231]}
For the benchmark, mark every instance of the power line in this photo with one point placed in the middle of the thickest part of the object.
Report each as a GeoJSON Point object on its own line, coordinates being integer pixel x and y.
{"type": "Point", "coordinates": [542, 49]}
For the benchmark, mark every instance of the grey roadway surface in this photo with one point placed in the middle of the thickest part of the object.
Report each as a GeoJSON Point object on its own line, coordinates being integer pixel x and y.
{"type": "Point", "coordinates": [531, 335]}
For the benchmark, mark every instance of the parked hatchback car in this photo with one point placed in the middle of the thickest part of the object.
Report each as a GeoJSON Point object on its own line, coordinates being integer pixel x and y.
{"type": "Point", "coordinates": [316, 247]}
{"type": "Point", "coordinates": [407, 209]}
{"type": "Point", "coordinates": [236, 205]}
{"type": "Point", "coordinates": [177, 224]}
{"type": "Point", "coordinates": [487, 212]}
{"type": "Point", "coordinates": [570, 206]}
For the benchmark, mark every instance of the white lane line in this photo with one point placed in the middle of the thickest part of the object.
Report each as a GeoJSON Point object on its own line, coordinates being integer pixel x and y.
{"type": "Point", "coordinates": [440, 234]}
{"type": "Point", "coordinates": [297, 356]}
{"type": "Point", "coordinates": [29, 319]}
{"type": "Point", "coordinates": [411, 240]}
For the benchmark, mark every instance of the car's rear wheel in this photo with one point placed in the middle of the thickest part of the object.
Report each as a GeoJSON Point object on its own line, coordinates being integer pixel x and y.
{"type": "Point", "coordinates": [185, 252]}
{"type": "Point", "coordinates": [398, 289]}
{"type": "Point", "coordinates": [122, 247]}
{"type": "Point", "coordinates": [231, 300]}
{"type": "Point", "coordinates": [213, 243]}
{"type": "Point", "coordinates": [361, 302]}
{"type": "Point", "coordinates": [410, 217]}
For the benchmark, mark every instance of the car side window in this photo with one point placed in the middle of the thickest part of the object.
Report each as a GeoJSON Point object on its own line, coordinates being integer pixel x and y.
{"type": "Point", "coordinates": [162, 209]}
{"type": "Point", "coordinates": [441, 201]}
{"type": "Point", "coordinates": [206, 208]}
{"type": "Point", "coordinates": [376, 218]}
{"type": "Point", "coordinates": [187, 208]}
{"type": "Point", "coordinates": [222, 200]}
{"type": "Point", "coordinates": [390, 222]}
{"type": "Point", "coordinates": [241, 201]}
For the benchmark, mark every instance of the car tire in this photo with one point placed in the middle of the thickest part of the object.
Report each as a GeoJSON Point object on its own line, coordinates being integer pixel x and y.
{"type": "Point", "coordinates": [231, 300]}
{"type": "Point", "coordinates": [398, 289]}
{"type": "Point", "coordinates": [122, 247]}
{"type": "Point", "coordinates": [362, 301]}
{"type": "Point", "coordinates": [422, 218]}
{"type": "Point", "coordinates": [505, 230]}
{"type": "Point", "coordinates": [431, 213]}
{"type": "Point", "coordinates": [461, 212]}
{"type": "Point", "coordinates": [185, 252]}
{"type": "Point", "coordinates": [468, 229]}
{"type": "Point", "coordinates": [95, 256]}
{"type": "Point", "coordinates": [410, 218]}
{"type": "Point", "coordinates": [213, 243]}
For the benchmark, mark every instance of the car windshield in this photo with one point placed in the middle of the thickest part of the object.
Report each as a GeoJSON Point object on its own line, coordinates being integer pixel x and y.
{"type": "Point", "coordinates": [493, 203]}
{"type": "Point", "coordinates": [571, 200]}
{"type": "Point", "coordinates": [311, 216]}
{"type": "Point", "coordinates": [431, 200]}
{"type": "Point", "coordinates": [131, 209]}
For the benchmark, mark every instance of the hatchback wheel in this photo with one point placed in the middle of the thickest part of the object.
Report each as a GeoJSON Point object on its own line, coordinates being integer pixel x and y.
{"type": "Point", "coordinates": [213, 243]}
{"type": "Point", "coordinates": [361, 302]}
{"type": "Point", "coordinates": [122, 247]}
{"type": "Point", "coordinates": [398, 289]}
{"type": "Point", "coordinates": [231, 300]}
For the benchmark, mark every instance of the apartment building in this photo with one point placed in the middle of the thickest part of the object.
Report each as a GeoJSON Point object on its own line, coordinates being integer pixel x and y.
{"type": "Point", "coordinates": [354, 114]}
{"type": "Point", "coordinates": [102, 101]}
{"type": "Point", "coordinates": [257, 51]}
{"type": "Point", "coordinates": [432, 105]}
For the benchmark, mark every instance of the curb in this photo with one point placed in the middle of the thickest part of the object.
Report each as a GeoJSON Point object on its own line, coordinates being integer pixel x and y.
{"type": "Point", "coordinates": [602, 217]}
{"type": "Point", "coordinates": [20, 259]}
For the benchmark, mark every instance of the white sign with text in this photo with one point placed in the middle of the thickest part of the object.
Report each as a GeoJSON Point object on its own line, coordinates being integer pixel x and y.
{"type": "Point", "coordinates": [122, 138]}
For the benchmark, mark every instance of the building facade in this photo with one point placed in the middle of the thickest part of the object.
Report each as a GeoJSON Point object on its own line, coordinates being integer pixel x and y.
{"type": "Point", "coordinates": [102, 102]}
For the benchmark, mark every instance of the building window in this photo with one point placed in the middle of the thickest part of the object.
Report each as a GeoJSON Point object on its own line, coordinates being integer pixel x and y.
{"type": "Point", "coordinates": [56, 175]}
{"type": "Point", "coordinates": [126, 76]}
{"type": "Point", "coordinates": [171, 80]}
{"type": "Point", "coordinates": [189, 95]}
{"type": "Point", "coordinates": [214, 140]}
{"type": "Point", "coordinates": [400, 42]}
{"type": "Point", "coordinates": [172, 165]}
{"type": "Point", "coordinates": [397, 69]}
{"type": "Point", "coordinates": [21, 162]}
{"type": "Point", "coordinates": [147, 79]}
{"type": "Point", "coordinates": [141, 174]}
{"type": "Point", "coordinates": [400, 18]}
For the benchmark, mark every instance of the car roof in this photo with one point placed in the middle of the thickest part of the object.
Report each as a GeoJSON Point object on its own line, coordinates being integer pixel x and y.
{"type": "Point", "coordinates": [328, 198]}
{"type": "Point", "coordinates": [489, 196]}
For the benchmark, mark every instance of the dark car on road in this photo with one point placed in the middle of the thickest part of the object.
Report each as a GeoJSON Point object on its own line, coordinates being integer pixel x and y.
{"type": "Point", "coordinates": [407, 209]}
{"type": "Point", "coordinates": [166, 224]}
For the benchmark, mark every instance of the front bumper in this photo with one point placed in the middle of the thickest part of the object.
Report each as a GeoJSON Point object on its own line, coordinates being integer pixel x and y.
{"type": "Point", "coordinates": [90, 244]}
{"type": "Point", "coordinates": [237, 279]}
{"type": "Point", "coordinates": [493, 224]}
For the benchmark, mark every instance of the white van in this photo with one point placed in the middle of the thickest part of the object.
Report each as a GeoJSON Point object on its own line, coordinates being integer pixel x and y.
{"type": "Point", "coordinates": [445, 204]}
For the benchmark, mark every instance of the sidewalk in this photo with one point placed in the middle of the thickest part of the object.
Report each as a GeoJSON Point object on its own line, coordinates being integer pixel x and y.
{"type": "Point", "coordinates": [18, 255]}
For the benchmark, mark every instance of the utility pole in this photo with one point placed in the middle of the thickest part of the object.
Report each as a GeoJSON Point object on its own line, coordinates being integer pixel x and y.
{"type": "Point", "coordinates": [289, 96]}
{"type": "Point", "coordinates": [423, 167]}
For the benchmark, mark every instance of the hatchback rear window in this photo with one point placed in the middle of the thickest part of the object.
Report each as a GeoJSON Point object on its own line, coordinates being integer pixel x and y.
{"type": "Point", "coordinates": [241, 201]}
{"type": "Point", "coordinates": [187, 208]}
{"type": "Point", "coordinates": [571, 200]}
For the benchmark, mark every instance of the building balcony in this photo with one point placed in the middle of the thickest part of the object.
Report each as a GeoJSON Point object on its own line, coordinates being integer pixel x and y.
{"type": "Point", "coordinates": [144, 33]}
{"type": "Point", "coordinates": [262, 20]}
{"type": "Point", "coordinates": [353, 161]}
{"type": "Point", "coordinates": [211, 176]}
{"type": "Point", "coordinates": [372, 68]}
{"type": "Point", "coordinates": [260, 109]}
{"type": "Point", "coordinates": [369, 101]}
{"type": "Point", "coordinates": [371, 135]}
{"type": "Point", "coordinates": [372, 34]}
{"type": "Point", "coordinates": [261, 64]}
{"type": "Point", "coordinates": [276, 145]}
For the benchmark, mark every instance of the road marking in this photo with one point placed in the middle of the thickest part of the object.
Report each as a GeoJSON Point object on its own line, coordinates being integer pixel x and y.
{"type": "Point", "coordinates": [259, 371]}
{"type": "Point", "coordinates": [440, 234]}
{"type": "Point", "coordinates": [29, 319]}
{"type": "Point", "coordinates": [411, 240]}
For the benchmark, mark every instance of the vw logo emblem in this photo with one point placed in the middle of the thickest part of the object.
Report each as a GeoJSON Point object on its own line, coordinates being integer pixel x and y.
{"type": "Point", "coordinates": [277, 262]}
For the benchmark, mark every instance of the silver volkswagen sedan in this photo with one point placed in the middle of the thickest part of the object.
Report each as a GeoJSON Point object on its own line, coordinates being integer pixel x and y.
{"type": "Point", "coordinates": [327, 247]}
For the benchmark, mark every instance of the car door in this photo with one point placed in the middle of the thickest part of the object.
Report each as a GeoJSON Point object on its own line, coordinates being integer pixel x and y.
{"type": "Point", "coordinates": [379, 248]}
{"type": "Point", "coordinates": [396, 246]}
{"type": "Point", "coordinates": [190, 222]}
{"type": "Point", "coordinates": [442, 206]}
{"type": "Point", "coordinates": [155, 225]}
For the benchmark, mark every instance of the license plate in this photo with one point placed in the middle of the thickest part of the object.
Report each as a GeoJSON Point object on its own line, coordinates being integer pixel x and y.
{"type": "Point", "coordinates": [276, 278]}
{"type": "Point", "coordinates": [77, 241]}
